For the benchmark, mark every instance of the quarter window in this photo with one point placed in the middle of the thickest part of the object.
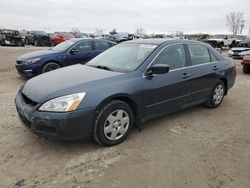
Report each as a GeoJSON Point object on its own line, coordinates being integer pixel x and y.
{"type": "Point", "coordinates": [199, 54]}
{"type": "Point", "coordinates": [101, 45]}
{"type": "Point", "coordinates": [173, 55]}
{"type": "Point", "coordinates": [84, 46]}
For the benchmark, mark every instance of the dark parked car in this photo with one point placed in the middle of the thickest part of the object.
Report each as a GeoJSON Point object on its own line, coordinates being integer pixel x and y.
{"type": "Point", "coordinates": [245, 42]}
{"type": "Point", "coordinates": [38, 38]}
{"type": "Point", "coordinates": [64, 54]}
{"type": "Point", "coordinates": [122, 87]}
{"type": "Point", "coordinates": [25, 35]}
{"type": "Point", "coordinates": [11, 37]}
{"type": "Point", "coordinates": [120, 37]}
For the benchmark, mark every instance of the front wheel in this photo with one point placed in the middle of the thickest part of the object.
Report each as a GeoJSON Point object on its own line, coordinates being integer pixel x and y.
{"type": "Point", "coordinates": [246, 69]}
{"type": "Point", "coordinates": [113, 123]}
{"type": "Point", "coordinates": [36, 43]}
{"type": "Point", "coordinates": [50, 67]}
{"type": "Point", "coordinates": [216, 96]}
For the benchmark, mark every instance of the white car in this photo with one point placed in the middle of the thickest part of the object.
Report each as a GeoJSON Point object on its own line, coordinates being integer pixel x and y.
{"type": "Point", "coordinates": [239, 52]}
{"type": "Point", "coordinates": [222, 41]}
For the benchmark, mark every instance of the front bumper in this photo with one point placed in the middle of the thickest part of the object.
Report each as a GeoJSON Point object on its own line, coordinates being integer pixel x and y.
{"type": "Point", "coordinates": [58, 126]}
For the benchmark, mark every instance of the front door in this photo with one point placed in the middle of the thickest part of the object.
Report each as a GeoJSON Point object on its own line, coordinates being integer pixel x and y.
{"type": "Point", "coordinates": [166, 93]}
{"type": "Point", "coordinates": [82, 52]}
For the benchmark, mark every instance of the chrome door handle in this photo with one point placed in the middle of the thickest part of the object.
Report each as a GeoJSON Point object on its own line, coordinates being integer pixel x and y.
{"type": "Point", "coordinates": [216, 68]}
{"type": "Point", "coordinates": [185, 75]}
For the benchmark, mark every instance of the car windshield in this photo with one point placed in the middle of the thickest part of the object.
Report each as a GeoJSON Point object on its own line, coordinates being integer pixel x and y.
{"type": "Point", "coordinates": [241, 37]}
{"type": "Point", "coordinates": [123, 57]}
{"type": "Point", "coordinates": [219, 36]}
{"type": "Point", "coordinates": [39, 32]}
{"type": "Point", "coordinates": [63, 46]}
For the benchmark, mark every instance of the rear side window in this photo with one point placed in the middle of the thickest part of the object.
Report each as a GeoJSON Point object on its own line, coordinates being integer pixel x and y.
{"type": "Point", "coordinates": [84, 46]}
{"type": "Point", "coordinates": [173, 55]}
{"type": "Point", "coordinates": [101, 45]}
{"type": "Point", "coordinates": [198, 54]}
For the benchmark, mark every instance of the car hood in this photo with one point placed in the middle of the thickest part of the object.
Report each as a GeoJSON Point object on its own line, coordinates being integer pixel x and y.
{"type": "Point", "coordinates": [64, 81]}
{"type": "Point", "coordinates": [215, 39]}
{"type": "Point", "coordinates": [37, 54]}
{"type": "Point", "coordinates": [240, 49]}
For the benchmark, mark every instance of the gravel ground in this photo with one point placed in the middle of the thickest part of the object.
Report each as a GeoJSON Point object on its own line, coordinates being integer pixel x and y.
{"type": "Point", "coordinates": [195, 148]}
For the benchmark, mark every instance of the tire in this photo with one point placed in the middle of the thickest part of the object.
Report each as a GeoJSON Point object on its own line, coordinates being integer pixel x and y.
{"type": "Point", "coordinates": [233, 44]}
{"type": "Point", "coordinates": [246, 69]}
{"type": "Point", "coordinates": [20, 43]}
{"type": "Point", "coordinates": [50, 67]}
{"type": "Point", "coordinates": [217, 95]}
{"type": "Point", "coordinates": [113, 123]}
{"type": "Point", "coordinates": [221, 45]}
{"type": "Point", "coordinates": [36, 43]}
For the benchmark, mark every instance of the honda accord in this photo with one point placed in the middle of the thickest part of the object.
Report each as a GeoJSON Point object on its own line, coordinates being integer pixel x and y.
{"type": "Point", "coordinates": [123, 87]}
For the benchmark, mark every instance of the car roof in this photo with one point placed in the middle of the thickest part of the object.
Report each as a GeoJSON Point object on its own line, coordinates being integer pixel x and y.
{"type": "Point", "coordinates": [160, 41]}
{"type": "Point", "coordinates": [89, 38]}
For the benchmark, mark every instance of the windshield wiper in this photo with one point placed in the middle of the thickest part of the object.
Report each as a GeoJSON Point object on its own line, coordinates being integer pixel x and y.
{"type": "Point", "coordinates": [102, 67]}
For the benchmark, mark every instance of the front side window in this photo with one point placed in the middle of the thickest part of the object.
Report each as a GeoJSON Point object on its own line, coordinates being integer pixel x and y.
{"type": "Point", "coordinates": [173, 55]}
{"type": "Point", "coordinates": [198, 54]}
{"type": "Point", "coordinates": [101, 45]}
{"type": "Point", "coordinates": [84, 46]}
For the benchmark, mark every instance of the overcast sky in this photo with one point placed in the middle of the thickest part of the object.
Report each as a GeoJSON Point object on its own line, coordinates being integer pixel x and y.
{"type": "Point", "coordinates": [190, 16]}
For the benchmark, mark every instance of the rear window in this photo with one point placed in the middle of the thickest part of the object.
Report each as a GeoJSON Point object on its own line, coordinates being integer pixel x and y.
{"type": "Point", "coordinates": [199, 54]}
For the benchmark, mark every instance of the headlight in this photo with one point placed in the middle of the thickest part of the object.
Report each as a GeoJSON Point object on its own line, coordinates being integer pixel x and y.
{"type": "Point", "coordinates": [31, 61]}
{"type": "Point", "coordinates": [63, 104]}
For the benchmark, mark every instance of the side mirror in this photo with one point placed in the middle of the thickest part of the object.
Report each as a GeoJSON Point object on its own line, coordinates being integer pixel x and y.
{"type": "Point", "coordinates": [73, 51]}
{"type": "Point", "coordinates": [158, 69]}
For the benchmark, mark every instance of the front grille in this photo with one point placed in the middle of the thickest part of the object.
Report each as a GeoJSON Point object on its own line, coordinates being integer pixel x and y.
{"type": "Point", "coordinates": [19, 62]}
{"type": "Point", "coordinates": [28, 100]}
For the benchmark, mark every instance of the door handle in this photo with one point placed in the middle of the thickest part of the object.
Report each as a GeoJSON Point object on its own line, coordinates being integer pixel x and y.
{"type": "Point", "coordinates": [216, 68]}
{"type": "Point", "coordinates": [185, 75]}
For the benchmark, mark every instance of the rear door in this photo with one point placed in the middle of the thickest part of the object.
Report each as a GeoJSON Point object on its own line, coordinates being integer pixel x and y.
{"type": "Point", "coordinates": [205, 71]}
{"type": "Point", "coordinates": [100, 46]}
{"type": "Point", "coordinates": [165, 93]}
{"type": "Point", "coordinates": [83, 52]}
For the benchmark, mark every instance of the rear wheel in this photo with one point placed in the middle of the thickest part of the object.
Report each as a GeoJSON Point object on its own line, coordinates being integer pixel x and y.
{"type": "Point", "coordinates": [113, 123]}
{"type": "Point", "coordinates": [221, 45]}
{"type": "Point", "coordinates": [36, 43]}
{"type": "Point", "coordinates": [246, 69]}
{"type": "Point", "coordinates": [216, 96]}
{"type": "Point", "coordinates": [50, 66]}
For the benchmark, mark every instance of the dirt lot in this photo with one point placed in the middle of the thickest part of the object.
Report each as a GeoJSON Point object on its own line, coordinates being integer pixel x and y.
{"type": "Point", "coordinates": [195, 148]}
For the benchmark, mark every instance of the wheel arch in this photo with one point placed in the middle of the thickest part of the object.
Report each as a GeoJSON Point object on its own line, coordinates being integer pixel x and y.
{"type": "Point", "coordinates": [125, 98]}
{"type": "Point", "coordinates": [50, 61]}
{"type": "Point", "coordinates": [225, 81]}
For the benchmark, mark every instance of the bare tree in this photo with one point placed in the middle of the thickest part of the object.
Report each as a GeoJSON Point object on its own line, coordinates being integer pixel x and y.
{"type": "Point", "coordinates": [99, 32]}
{"type": "Point", "coordinates": [233, 21]}
{"type": "Point", "coordinates": [140, 31]}
{"type": "Point", "coordinates": [113, 32]}
{"type": "Point", "coordinates": [75, 31]}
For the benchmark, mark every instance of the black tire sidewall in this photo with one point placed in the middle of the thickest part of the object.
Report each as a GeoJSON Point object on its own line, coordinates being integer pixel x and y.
{"type": "Point", "coordinates": [246, 68]}
{"type": "Point", "coordinates": [102, 116]}
{"type": "Point", "coordinates": [48, 64]}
